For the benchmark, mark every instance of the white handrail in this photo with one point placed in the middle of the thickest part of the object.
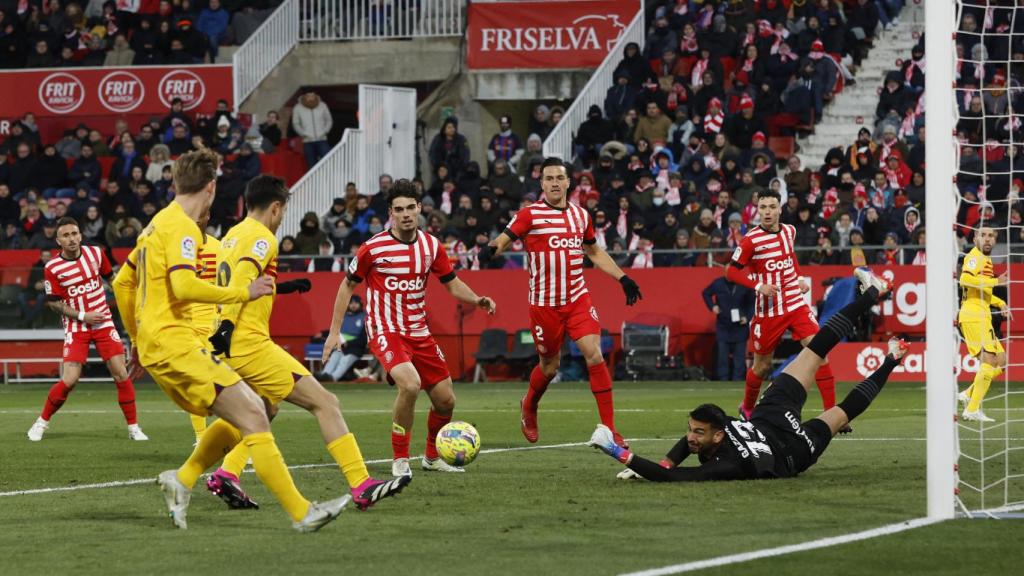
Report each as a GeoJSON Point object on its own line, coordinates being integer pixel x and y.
{"type": "Point", "coordinates": [264, 50]}
{"type": "Point", "coordinates": [332, 20]}
{"type": "Point", "coordinates": [559, 141]}
{"type": "Point", "coordinates": [325, 181]}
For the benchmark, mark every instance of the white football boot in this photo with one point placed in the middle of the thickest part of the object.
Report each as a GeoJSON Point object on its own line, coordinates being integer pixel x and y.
{"type": "Point", "coordinates": [400, 467]}
{"type": "Point", "coordinates": [35, 433]}
{"type": "Point", "coordinates": [177, 497]}
{"type": "Point", "coordinates": [439, 465]}
{"type": "Point", "coordinates": [976, 416]}
{"type": "Point", "coordinates": [321, 514]}
{"type": "Point", "coordinates": [136, 433]}
{"type": "Point", "coordinates": [867, 279]}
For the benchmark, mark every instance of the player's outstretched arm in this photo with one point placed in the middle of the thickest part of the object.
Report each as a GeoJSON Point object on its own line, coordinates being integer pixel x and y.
{"type": "Point", "coordinates": [463, 293]}
{"type": "Point", "coordinates": [603, 262]}
{"type": "Point", "coordinates": [187, 286]}
{"type": "Point", "coordinates": [334, 341]}
{"type": "Point", "coordinates": [500, 243]}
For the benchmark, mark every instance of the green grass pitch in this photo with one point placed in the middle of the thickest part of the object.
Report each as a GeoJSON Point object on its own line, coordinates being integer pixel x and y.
{"type": "Point", "coordinates": [542, 510]}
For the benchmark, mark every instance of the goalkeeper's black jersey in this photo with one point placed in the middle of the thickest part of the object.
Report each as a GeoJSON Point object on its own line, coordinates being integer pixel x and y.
{"type": "Point", "coordinates": [746, 453]}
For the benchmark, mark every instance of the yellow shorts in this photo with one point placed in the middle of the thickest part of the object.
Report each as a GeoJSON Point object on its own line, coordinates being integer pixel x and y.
{"type": "Point", "coordinates": [980, 336]}
{"type": "Point", "coordinates": [269, 370]}
{"type": "Point", "coordinates": [193, 379]}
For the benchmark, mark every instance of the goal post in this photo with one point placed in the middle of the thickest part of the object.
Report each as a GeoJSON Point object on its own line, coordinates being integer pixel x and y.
{"type": "Point", "coordinates": [940, 210]}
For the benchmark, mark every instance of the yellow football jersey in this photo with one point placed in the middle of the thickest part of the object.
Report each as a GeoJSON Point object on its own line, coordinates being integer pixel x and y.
{"type": "Point", "coordinates": [976, 283]}
{"type": "Point", "coordinates": [166, 262]}
{"type": "Point", "coordinates": [206, 315]}
{"type": "Point", "coordinates": [249, 250]}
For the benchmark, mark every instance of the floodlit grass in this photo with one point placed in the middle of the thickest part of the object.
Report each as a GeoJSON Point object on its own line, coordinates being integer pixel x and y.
{"type": "Point", "coordinates": [546, 510]}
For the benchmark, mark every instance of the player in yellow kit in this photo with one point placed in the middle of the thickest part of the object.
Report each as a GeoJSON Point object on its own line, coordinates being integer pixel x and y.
{"type": "Point", "coordinates": [975, 319]}
{"type": "Point", "coordinates": [158, 317]}
{"type": "Point", "coordinates": [249, 252]}
{"type": "Point", "coordinates": [206, 316]}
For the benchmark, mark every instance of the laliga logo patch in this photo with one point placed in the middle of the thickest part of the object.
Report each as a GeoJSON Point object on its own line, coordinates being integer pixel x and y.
{"type": "Point", "coordinates": [737, 253]}
{"type": "Point", "coordinates": [260, 248]}
{"type": "Point", "coordinates": [352, 265]}
{"type": "Point", "coordinates": [869, 360]}
{"type": "Point", "coordinates": [388, 357]}
{"type": "Point", "coordinates": [593, 313]}
{"type": "Point", "coordinates": [47, 286]}
{"type": "Point", "coordinates": [757, 345]}
{"type": "Point", "coordinates": [541, 348]}
{"type": "Point", "coordinates": [188, 248]}
{"type": "Point", "coordinates": [114, 335]}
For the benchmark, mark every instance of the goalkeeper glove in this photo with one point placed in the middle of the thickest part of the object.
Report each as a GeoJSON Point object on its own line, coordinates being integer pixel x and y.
{"type": "Point", "coordinates": [300, 285]}
{"type": "Point", "coordinates": [631, 290]}
{"type": "Point", "coordinates": [221, 338]}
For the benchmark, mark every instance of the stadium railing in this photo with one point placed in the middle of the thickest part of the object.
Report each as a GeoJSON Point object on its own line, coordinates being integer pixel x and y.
{"type": "Point", "coordinates": [333, 20]}
{"type": "Point", "coordinates": [264, 50]}
{"type": "Point", "coordinates": [383, 144]}
{"type": "Point", "coordinates": [560, 141]}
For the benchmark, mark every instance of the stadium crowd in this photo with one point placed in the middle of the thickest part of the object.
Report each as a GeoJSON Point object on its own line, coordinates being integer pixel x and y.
{"type": "Point", "coordinates": [54, 33]}
{"type": "Point", "coordinates": [672, 161]}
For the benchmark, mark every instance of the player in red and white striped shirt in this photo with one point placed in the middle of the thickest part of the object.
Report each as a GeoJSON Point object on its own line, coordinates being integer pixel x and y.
{"type": "Point", "coordinates": [74, 288]}
{"type": "Point", "coordinates": [766, 262]}
{"type": "Point", "coordinates": [395, 264]}
{"type": "Point", "coordinates": [557, 234]}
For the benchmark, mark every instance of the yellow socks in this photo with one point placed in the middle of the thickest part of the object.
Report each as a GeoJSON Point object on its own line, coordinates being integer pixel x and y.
{"type": "Point", "coordinates": [216, 441]}
{"type": "Point", "coordinates": [982, 380]}
{"type": "Point", "coordinates": [198, 425]}
{"type": "Point", "coordinates": [235, 461]}
{"type": "Point", "coordinates": [346, 453]}
{"type": "Point", "coordinates": [270, 468]}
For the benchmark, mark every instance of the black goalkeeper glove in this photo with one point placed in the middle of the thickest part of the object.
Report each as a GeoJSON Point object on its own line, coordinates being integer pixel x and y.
{"type": "Point", "coordinates": [631, 290]}
{"type": "Point", "coordinates": [300, 285]}
{"type": "Point", "coordinates": [221, 338]}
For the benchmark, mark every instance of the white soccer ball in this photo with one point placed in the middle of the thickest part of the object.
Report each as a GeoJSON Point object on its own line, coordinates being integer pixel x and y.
{"type": "Point", "coordinates": [458, 443]}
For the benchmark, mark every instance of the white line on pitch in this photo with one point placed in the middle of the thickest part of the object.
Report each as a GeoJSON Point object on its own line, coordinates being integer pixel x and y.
{"type": "Point", "coordinates": [789, 549]}
{"type": "Point", "coordinates": [461, 410]}
{"type": "Point", "coordinates": [139, 481]}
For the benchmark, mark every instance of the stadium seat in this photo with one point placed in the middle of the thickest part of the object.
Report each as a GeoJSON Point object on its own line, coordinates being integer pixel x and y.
{"type": "Point", "coordinates": [783, 147]}
{"type": "Point", "coordinates": [523, 352]}
{"type": "Point", "coordinates": [493, 348]}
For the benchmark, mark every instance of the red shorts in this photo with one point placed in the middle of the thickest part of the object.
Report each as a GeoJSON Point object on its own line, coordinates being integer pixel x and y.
{"type": "Point", "coordinates": [108, 344]}
{"type": "Point", "coordinates": [550, 324]}
{"type": "Point", "coordinates": [392, 349]}
{"type": "Point", "coordinates": [765, 333]}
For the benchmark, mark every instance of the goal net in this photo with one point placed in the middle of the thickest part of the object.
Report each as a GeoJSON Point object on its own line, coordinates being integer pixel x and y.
{"type": "Point", "coordinates": [988, 132]}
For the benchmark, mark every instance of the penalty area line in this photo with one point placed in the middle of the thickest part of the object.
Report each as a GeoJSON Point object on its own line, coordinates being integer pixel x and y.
{"type": "Point", "coordinates": [788, 549]}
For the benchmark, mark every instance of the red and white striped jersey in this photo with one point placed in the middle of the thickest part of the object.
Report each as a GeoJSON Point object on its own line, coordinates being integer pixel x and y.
{"type": "Point", "coordinates": [768, 258]}
{"type": "Point", "coordinates": [78, 283]}
{"type": "Point", "coordinates": [554, 239]}
{"type": "Point", "coordinates": [396, 281]}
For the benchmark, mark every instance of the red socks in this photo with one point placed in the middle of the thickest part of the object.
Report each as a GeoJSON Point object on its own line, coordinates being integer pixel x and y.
{"type": "Point", "coordinates": [538, 385]}
{"type": "Point", "coordinates": [826, 385]}
{"type": "Point", "coordinates": [399, 441]}
{"type": "Point", "coordinates": [55, 399]}
{"type": "Point", "coordinates": [435, 422]}
{"type": "Point", "coordinates": [751, 390]}
{"type": "Point", "coordinates": [601, 387]}
{"type": "Point", "coordinates": [126, 398]}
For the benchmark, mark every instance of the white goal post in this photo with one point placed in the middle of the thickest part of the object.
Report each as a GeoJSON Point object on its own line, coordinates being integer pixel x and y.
{"type": "Point", "coordinates": [943, 347]}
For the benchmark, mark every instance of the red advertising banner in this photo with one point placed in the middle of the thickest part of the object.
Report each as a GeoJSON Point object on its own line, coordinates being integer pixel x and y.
{"type": "Point", "coordinates": [90, 92]}
{"type": "Point", "coordinates": [854, 361]}
{"type": "Point", "coordinates": [550, 34]}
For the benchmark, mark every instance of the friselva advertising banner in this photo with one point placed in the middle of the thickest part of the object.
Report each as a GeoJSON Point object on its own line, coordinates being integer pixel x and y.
{"type": "Point", "coordinates": [545, 35]}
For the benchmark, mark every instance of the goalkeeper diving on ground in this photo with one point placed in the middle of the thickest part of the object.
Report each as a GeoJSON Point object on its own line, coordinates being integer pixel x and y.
{"type": "Point", "coordinates": [775, 442]}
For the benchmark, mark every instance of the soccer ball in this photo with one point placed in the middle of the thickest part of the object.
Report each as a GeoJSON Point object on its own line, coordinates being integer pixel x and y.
{"type": "Point", "coordinates": [458, 443]}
